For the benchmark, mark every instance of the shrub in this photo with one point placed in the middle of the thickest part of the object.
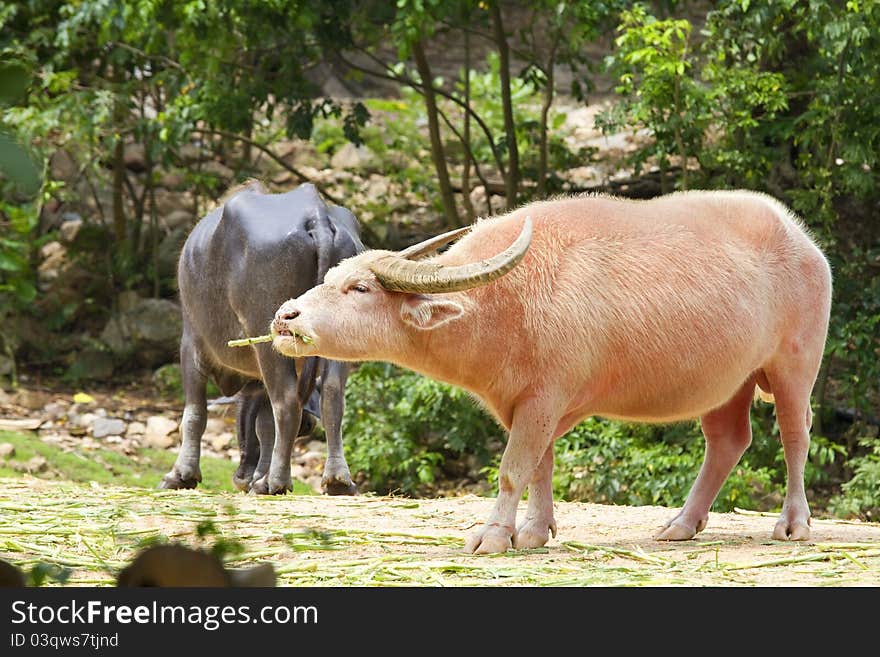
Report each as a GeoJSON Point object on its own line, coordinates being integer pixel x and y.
{"type": "Point", "coordinates": [400, 428]}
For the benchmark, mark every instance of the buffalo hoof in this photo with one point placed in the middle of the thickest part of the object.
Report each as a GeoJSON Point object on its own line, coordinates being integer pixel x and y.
{"type": "Point", "coordinates": [490, 539]}
{"type": "Point", "coordinates": [336, 486]}
{"type": "Point", "coordinates": [267, 485]}
{"type": "Point", "coordinates": [681, 528]}
{"type": "Point", "coordinates": [175, 480]}
{"type": "Point", "coordinates": [534, 533]}
{"type": "Point", "coordinates": [243, 478]}
{"type": "Point", "coordinates": [242, 484]}
{"type": "Point", "coordinates": [792, 527]}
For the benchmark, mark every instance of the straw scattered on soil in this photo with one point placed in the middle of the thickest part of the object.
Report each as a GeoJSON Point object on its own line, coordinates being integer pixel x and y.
{"type": "Point", "coordinates": [386, 541]}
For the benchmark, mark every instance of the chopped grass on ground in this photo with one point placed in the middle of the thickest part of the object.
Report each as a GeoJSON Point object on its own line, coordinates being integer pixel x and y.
{"type": "Point", "coordinates": [91, 531]}
{"type": "Point", "coordinates": [108, 467]}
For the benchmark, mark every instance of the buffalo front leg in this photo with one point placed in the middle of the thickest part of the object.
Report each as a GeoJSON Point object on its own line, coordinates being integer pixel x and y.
{"type": "Point", "coordinates": [337, 477]}
{"type": "Point", "coordinates": [186, 472]}
{"type": "Point", "coordinates": [530, 438]}
{"type": "Point", "coordinates": [279, 377]}
{"type": "Point", "coordinates": [539, 520]}
{"type": "Point", "coordinates": [728, 433]}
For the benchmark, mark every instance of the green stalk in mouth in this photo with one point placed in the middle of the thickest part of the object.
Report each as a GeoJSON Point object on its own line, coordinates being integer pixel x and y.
{"type": "Point", "coordinates": [244, 342]}
{"type": "Point", "coordinates": [249, 341]}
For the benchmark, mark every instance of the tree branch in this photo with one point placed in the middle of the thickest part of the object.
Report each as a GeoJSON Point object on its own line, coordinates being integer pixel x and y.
{"type": "Point", "coordinates": [250, 142]}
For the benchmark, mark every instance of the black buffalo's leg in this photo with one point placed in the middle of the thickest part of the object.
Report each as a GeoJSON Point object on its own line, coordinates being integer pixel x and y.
{"type": "Point", "coordinates": [249, 399]}
{"type": "Point", "coordinates": [337, 477]}
{"type": "Point", "coordinates": [186, 472]}
{"type": "Point", "coordinates": [265, 431]}
{"type": "Point", "coordinates": [279, 377]}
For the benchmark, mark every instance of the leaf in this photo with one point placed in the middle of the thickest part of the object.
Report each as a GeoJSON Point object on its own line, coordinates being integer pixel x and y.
{"type": "Point", "coordinates": [17, 165]}
{"type": "Point", "coordinates": [83, 398]}
{"type": "Point", "coordinates": [14, 79]}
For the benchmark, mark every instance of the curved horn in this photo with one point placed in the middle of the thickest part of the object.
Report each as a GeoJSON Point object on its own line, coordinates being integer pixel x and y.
{"type": "Point", "coordinates": [401, 275]}
{"type": "Point", "coordinates": [431, 244]}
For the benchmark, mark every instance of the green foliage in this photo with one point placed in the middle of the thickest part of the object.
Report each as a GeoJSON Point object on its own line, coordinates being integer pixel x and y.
{"type": "Point", "coordinates": [619, 463]}
{"type": "Point", "coordinates": [860, 496]}
{"type": "Point", "coordinates": [43, 573]}
{"type": "Point", "coordinates": [109, 467]}
{"type": "Point", "coordinates": [694, 107]}
{"type": "Point", "coordinates": [400, 427]}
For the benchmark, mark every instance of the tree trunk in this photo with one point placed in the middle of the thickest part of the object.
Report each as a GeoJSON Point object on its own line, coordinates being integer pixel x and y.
{"type": "Point", "coordinates": [545, 112]}
{"type": "Point", "coordinates": [119, 228]}
{"type": "Point", "coordinates": [437, 152]}
{"type": "Point", "coordinates": [511, 180]}
{"type": "Point", "coordinates": [119, 119]}
{"type": "Point", "coordinates": [466, 172]}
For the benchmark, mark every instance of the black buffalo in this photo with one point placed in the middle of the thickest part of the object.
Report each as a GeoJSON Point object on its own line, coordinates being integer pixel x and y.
{"type": "Point", "coordinates": [239, 263]}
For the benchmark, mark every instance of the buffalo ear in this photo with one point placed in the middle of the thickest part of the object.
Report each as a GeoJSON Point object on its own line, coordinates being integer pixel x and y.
{"type": "Point", "coordinates": [427, 312]}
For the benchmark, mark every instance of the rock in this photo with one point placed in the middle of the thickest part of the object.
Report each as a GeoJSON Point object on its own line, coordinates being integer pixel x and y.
{"type": "Point", "coordinates": [585, 176]}
{"type": "Point", "coordinates": [70, 225]}
{"type": "Point", "coordinates": [157, 321]}
{"type": "Point", "coordinates": [85, 420]}
{"type": "Point", "coordinates": [377, 189]}
{"type": "Point", "coordinates": [168, 202]}
{"type": "Point", "coordinates": [159, 442]}
{"type": "Point", "coordinates": [317, 446]}
{"type": "Point", "coordinates": [54, 257]}
{"type": "Point", "coordinates": [55, 410]}
{"type": "Point", "coordinates": [127, 300]}
{"type": "Point", "coordinates": [148, 332]}
{"type": "Point", "coordinates": [7, 450]}
{"type": "Point", "coordinates": [135, 157]}
{"type": "Point", "coordinates": [7, 366]}
{"type": "Point", "coordinates": [170, 248]}
{"type": "Point", "coordinates": [91, 364]}
{"type": "Point", "coordinates": [219, 170]}
{"type": "Point", "coordinates": [176, 219]}
{"type": "Point", "coordinates": [190, 153]}
{"type": "Point", "coordinates": [173, 180]}
{"type": "Point", "coordinates": [107, 426]}
{"type": "Point", "coordinates": [62, 166]}
{"type": "Point", "coordinates": [20, 424]}
{"type": "Point", "coordinates": [222, 441]}
{"type": "Point", "coordinates": [353, 157]}
{"type": "Point", "coordinates": [36, 464]}
{"type": "Point", "coordinates": [135, 429]}
{"type": "Point", "coordinates": [312, 460]}
{"type": "Point", "coordinates": [33, 400]}
{"type": "Point", "coordinates": [479, 200]}
{"type": "Point", "coordinates": [157, 432]}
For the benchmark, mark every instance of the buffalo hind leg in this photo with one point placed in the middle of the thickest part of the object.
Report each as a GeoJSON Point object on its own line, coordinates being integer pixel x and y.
{"type": "Point", "coordinates": [539, 520]}
{"type": "Point", "coordinates": [530, 436]}
{"type": "Point", "coordinates": [265, 430]}
{"type": "Point", "coordinates": [249, 399]}
{"type": "Point", "coordinates": [336, 479]}
{"type": "Point", "coordinates": [186, 472]}
{"type": "Point", "coordinates": [794, 417]}
{"type": "Point", "coordinates": [728, 433]}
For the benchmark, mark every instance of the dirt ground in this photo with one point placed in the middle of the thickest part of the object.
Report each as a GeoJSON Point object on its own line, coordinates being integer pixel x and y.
{"type": "Point", "coordinates": [392, 541]}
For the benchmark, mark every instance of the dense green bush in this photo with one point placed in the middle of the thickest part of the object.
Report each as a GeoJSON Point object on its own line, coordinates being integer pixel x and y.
{"type": "Point", "coordinates": [400, 428]}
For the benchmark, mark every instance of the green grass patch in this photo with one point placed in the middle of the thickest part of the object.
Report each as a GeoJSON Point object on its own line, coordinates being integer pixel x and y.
{"type": "Point", "coordinates": [108, 467]}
